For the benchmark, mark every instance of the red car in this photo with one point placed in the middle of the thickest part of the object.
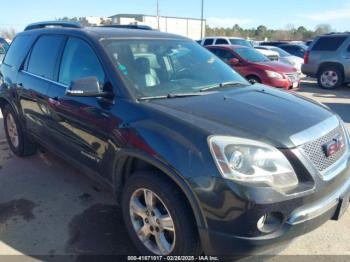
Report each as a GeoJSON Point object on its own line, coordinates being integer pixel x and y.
{"type": "Point", "coordinates": [256, 67]}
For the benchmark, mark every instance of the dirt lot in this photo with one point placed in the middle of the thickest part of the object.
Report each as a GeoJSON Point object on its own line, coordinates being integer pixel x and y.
{"type": "Point", "coordinates": [49, 208]}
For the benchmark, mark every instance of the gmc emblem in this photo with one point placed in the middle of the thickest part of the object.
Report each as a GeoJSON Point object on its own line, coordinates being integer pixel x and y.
{"type": "Point", "coordinates": [334, 146]}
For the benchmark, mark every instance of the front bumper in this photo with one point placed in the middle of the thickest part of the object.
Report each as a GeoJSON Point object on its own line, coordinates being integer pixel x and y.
{"type": "Point", "coordinates": [282, 83]}
{"type": "Point", "coordinates": [302, 220]}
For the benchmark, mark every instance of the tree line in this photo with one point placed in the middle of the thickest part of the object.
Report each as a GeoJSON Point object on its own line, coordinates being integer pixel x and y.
{"type": "Point", "coordinates": [263, 33]}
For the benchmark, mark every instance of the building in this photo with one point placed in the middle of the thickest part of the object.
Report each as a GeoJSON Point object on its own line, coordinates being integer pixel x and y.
{"type": "Point", "coordinates": [96, 20]}
{"type": "Point", "coordinates": [188, 27]}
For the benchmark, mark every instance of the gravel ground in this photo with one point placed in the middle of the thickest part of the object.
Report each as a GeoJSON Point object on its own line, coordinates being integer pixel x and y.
{"type": "Point", "coordinates": [49, 208]}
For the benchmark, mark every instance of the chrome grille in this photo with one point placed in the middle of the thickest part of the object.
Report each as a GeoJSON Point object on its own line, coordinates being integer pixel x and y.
{"type": "Point", "coordinates": [315, 152]}
{"type": "Point", "coordinates": [293, 77]}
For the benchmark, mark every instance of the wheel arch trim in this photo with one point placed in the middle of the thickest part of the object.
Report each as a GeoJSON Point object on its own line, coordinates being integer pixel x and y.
{"type": "Point", "coordinates": [118, 169]}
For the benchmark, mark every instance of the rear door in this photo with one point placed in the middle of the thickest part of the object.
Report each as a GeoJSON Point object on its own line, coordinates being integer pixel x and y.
{"type": "Point", "coordinates": [33, 82]}
{"type": "Point", "coordinates": [78, 124]}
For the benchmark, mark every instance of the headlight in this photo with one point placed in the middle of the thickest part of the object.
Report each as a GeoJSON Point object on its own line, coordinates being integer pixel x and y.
{"type": "Point", "coordinates": [252, 162]}
{"type": "Point", "coordinates": [274, 74]}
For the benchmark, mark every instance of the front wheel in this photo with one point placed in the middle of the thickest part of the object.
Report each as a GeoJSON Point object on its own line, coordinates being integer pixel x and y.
{"type": "Point", "coordinates": [253, 80]}
{"type": "Point", "coordinates": [157, 217]}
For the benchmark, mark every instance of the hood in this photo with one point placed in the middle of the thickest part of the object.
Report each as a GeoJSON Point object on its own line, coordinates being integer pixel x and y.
{"type": "Point", "coordinates": [295, 59]}
{"type": "Point", "coordinates": [275, 66]}
{"type": "Point", "coordinates": [254, 112]}
{"type": "Point", "coordinates": [268, 52]}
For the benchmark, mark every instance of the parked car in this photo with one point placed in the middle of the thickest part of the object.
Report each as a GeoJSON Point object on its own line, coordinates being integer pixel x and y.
{"type": "Point", "coordinates": [3, 48]}
{"type": "Point", "coordinates": [256, 67]}
{"type": "Point", "coordinates": [294, 49]}
{"type": "Point", "coordinates": [223, 40]}
{"type": "Point", "coordinates": [284, 56]}
{"type": "Point", "coordinates": [270, 54]}
{"type": "Point", "coordinates": [328, 59]}
{"type": "Point", "coordinates": [273, 43]}
{"type": "Point", "coordinates": [199, 160]}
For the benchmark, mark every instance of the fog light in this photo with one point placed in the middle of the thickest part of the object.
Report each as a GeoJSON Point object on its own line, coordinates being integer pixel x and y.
{"type": "Point", "coordinates": [271, 222]}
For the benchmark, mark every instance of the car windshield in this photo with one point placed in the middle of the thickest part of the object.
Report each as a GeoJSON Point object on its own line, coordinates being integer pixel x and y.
{"type": "Point", "coordinates": [251, 55]}
{"type": "Point", "coordinates": [163, 67]}
{"type": "Point", "coordinates": [281, 52]}
{"type": "Point", "coordinates": [242, 42]}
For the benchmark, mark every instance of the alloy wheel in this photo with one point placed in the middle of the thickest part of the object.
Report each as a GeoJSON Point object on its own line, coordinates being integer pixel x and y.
{"type": "Point", "coordinates": [329, 78]}
{"type": "Point", "coordinates": [152, 222]}
{"type": "Point", "coordinates": [12, 130]}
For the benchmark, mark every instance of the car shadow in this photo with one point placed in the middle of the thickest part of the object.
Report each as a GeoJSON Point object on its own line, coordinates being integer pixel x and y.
{"type": "Point", "coordinates": [311, 86]}
{"type": "Point", "coordinates": [52, 212]}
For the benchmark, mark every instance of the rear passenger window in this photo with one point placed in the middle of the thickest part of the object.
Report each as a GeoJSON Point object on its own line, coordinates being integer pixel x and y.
{"type": "Point", "coordinates": [18, 50]}
{"type": "Point", "coordinates": [43, 58]}
{"type": "Point", "coordinates": [209, 42]}
{"type": "Point", "coordinates": [79, 61]}
{"type": "Point", "coordinates": [221, 41]}
{"type": "Point", "coordinates": [328, 43]}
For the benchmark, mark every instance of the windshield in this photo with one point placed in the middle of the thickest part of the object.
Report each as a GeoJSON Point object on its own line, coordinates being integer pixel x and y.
{"type": "Point", "coordinates": [159, 67]}
{"type": "Point", "coordinates": [281, 52]}
{"type": "Point", "coordinates": [251, 55]}
{"type": "Point", "coordinates": [242, 42]}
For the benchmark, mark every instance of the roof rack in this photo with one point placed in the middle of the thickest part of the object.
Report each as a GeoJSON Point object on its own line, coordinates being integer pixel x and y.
{"type": "Point", "coordinates": [40, 25]}
{"type": "Point", "coordinates": [141, 27]}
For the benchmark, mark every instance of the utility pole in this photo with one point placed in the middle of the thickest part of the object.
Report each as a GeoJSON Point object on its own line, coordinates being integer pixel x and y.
{"type": "Point", "coordinates": [202, 19]}
{"type": "Point", "coordinates": [158, 15]}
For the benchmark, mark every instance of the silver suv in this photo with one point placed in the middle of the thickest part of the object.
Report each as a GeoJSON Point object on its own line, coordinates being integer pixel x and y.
{"type": "Point", "coordinates": [328, 59]}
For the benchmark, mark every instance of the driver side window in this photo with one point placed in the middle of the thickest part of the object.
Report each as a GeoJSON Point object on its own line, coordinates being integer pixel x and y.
{"type": "Point", "coordinates": [224, 55]}
{"type": "Point", "coordinates": [79, 61]}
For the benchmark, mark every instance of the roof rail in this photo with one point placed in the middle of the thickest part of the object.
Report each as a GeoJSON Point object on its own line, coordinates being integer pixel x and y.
{"type": "Point", "coordinates": [142, 27]}
{"type": "Point", "coordinates": [40, 25]}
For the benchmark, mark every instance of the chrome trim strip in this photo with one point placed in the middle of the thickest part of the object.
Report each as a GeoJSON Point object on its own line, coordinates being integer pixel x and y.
{"type": "Point", "coordinates": [320, 129]}
{"type": "Point", "coordinates": [312, 211]}
{"type": "Point", "coordinates": [43, 78]}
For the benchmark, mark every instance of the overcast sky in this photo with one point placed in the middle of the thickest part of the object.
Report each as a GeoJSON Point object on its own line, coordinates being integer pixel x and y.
{"type": "Point", "coordinates": [248, 13]}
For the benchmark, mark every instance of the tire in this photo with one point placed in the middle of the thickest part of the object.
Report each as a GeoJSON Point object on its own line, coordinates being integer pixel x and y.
{"type": "Point", "coordinates": [21, 146]}
{"type": "Point", "coordinates": [330, 77]}
{"type": "Point", "coordinates": [254, 79]}
{"type": "Point", "coordinates": [169, 202]}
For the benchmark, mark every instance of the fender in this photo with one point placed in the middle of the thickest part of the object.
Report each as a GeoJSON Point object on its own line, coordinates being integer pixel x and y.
{"type": "Point", "coordinates": [121, 161]}
{"type": "Point", "coordinates": [5, 99]}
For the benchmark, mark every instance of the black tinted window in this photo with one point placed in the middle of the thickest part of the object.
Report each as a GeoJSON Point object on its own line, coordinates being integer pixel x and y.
{"type": "Point", "coordinates": [221, 41]}
{"type": "Point", "coordinates": [224, 55]}
{"type": "Point", "coordinates": [17, 51]}
{"type": "Point", "coordinates": [79, 61]}
{"type": "Point", "coordinates": [44, 55]}
{"type": "Point", "coordinates": [328, 43]}
{"type": "Point", "coordinates": [208, 42]}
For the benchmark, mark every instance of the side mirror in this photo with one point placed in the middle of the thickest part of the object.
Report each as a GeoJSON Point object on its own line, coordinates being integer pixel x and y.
{"type": "Point", "coordinates": [233, 62]}
{"type": "Point", "coordinates": [85, 87]}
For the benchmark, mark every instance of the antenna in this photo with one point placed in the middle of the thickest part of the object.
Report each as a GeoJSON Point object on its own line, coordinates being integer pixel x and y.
{"type": "Point", "coordinates": [158, 15]}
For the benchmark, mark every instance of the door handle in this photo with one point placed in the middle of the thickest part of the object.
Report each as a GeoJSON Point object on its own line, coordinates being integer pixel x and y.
{"type": "Point", "coordinates": [54, 101]}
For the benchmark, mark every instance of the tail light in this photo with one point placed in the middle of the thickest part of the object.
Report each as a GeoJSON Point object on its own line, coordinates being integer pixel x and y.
{"type": "Point", "coordinates": [306, 57]}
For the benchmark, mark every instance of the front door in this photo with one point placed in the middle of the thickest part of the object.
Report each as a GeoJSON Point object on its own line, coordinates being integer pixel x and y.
{"type": "Point", "coordinates": [78, 124]}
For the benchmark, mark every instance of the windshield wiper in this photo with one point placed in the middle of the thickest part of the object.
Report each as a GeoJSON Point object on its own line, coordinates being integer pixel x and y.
{"type": "Point", "coordinates": [222, 85]}
{"type": "Point", "coordinates": [169, 96]}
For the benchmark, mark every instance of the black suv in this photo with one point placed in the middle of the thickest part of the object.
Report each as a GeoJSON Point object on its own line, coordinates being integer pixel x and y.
{"type": "Point", "coordinates": [199, 159]}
